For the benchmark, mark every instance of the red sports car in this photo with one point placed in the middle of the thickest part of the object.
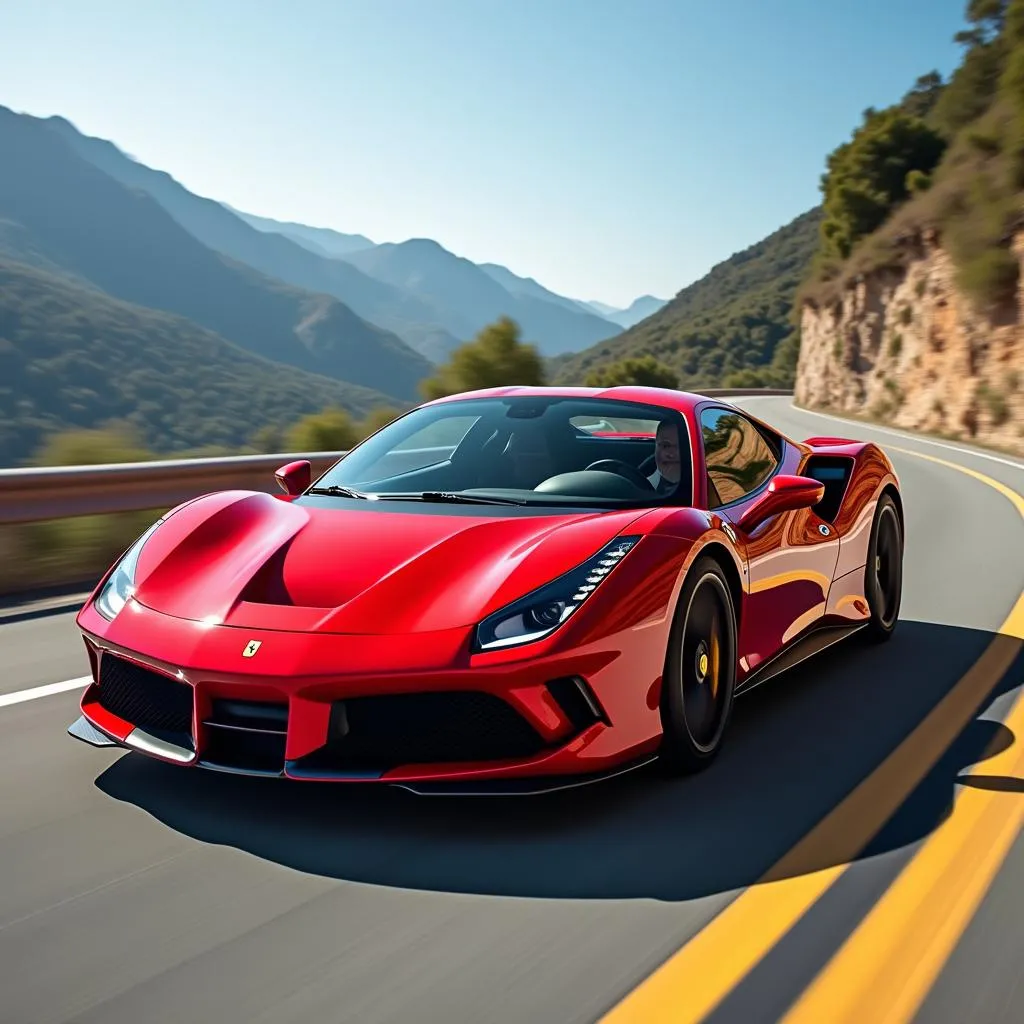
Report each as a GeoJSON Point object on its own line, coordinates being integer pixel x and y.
{"type": "Point", "coordinates": [507, 590]}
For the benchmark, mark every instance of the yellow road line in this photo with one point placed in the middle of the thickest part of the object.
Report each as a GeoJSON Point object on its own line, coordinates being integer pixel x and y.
{"type": "Point", "coordinates": [888, 965]}
{"type": "Point", "coordinates": [692, 982]}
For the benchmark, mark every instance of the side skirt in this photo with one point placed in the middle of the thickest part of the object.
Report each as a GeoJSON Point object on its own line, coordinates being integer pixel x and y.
{"type": "Point", "coordinates": [813, 643]}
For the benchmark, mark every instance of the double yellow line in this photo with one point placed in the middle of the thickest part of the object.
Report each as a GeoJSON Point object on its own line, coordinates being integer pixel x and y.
{"type": "Point", "coordinates": [887, 966]}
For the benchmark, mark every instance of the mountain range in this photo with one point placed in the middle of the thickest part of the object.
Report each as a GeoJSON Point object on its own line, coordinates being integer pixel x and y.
{"type": "Point", "coordinates": [431, 298]}
{"type": "Point", "coordinates": [102, 252]}
{"type": "Point", "coordinates": [65, 212]}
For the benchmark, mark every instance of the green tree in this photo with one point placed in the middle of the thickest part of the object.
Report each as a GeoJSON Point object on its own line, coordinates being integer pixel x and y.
{"type": "Point", "coordinates": [973, 86]}
{"type": "Point", "coordinates": [268, 440]}
{"type": "Point", "coordinates": [1011, 86]}
{"type": "Point", "coordinates": [642, 371]}
{"type": "Point", "coordinates": [80, 547]}
{"type": "Point", "coordinates": [115, 443]}
{"type": "Point", "coordinates": [329, 431]}
{"type": "Point", "coordinates": [377, 419]}
{"type": "Point", "coordinates": [867, 176]}
{"type": "Point", "coordinates": [496, 357]}
{"type": "Point", "coordinates": [921, 99]}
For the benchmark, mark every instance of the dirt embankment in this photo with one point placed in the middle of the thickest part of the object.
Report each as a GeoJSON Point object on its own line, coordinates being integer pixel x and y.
{"type": "Point", "coordinates": [905, 347]}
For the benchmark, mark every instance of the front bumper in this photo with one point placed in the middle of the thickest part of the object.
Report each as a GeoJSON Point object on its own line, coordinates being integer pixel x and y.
{"type": "Point", "coordinates": [417, 712]}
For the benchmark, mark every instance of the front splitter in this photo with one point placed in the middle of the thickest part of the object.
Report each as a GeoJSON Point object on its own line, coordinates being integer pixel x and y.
{"type": "Point", "coordinates": [82, 729]}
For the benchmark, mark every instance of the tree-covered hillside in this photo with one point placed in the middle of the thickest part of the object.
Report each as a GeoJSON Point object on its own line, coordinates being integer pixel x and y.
{"type": "Point", "coordinates": [733, 327]}
{"type": "Point", "coordinates": [948, 156]}
{"type": "Point", "coordinates": [71, 356]}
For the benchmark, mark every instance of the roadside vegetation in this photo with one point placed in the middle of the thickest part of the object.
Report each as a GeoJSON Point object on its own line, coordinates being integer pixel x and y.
{"type": "Point", "coordinates": [77, 551]}
{"type": "Point", "coordinates": [948, 157]}
{"type": "Point", "coordinates": [732, 328]}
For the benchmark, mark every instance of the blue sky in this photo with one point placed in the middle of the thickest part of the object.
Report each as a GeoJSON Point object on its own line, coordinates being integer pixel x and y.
{"type": "Point", "coordinates": [608, 149]}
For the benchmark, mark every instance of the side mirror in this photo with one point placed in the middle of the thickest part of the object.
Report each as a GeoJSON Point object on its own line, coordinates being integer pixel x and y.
{"type": "Point", "coordinates": [295, 477]}
{"type": "Point", "coordinates": [784, 494]}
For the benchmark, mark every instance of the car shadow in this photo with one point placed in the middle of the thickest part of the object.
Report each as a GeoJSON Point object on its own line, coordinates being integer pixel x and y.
{"type": "Point", "coordinates": [798, 745]}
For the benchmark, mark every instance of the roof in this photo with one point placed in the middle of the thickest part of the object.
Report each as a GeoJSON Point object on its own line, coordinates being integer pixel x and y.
{"type": "Point", "coordinates": [668, 398]}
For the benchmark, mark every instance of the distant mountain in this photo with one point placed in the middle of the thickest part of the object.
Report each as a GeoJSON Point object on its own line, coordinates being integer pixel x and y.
{"type": "Point", "coordinates": [414, 319]}
{"type": "Point", "coordinates": [640, 309]}
{"type": "Point", "coordinates": [448, 293]}
{"type": "Point", "coordinates": [71, 215]}
{"type": "Point", "coordinates": [322, 241]}
{"type": "Point", "coordinates": [601, 308]}
{"type": "Point", "coordinates": [72, 356]}
{"type": "Point", "coordinates": [528, 287]}
{"type": "Point", "coordinates": [472, 298]}
{"type": "Point", "coordinates": [734, 320]}
{"type": "Point", "coordinates": [433, 306]}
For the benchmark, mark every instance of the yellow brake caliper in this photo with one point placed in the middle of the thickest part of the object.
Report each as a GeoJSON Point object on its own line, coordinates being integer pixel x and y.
{"type": "Point", "coordinates": [714, 659]}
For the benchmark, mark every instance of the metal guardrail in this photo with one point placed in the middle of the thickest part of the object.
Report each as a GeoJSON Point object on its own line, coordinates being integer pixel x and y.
{"type": "Point", "coordinates": [35, 494]}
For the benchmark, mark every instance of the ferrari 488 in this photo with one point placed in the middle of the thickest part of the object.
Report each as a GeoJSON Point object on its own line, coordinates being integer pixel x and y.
{"type": "Point", "coordinates": [508, 591]}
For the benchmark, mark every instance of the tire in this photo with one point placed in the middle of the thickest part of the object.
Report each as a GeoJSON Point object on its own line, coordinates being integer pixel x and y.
{"type": "Point", "coordinates": [883, 573]}
{"type": "Point", "coordinates": [699, 682]}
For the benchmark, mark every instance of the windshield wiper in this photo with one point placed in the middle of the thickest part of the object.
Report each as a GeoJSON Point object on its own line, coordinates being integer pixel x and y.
{"type": "Point", "coordinates": [337, 491]}
{"type": "Point", "coordinates": [452, 498]}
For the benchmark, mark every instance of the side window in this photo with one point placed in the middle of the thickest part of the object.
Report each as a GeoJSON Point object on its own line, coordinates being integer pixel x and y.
{"type": "Point", "coordinates": [738, 458]}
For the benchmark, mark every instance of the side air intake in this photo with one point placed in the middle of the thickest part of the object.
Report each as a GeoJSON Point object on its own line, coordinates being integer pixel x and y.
{"type": "Point", "coordinates": [834, 472]}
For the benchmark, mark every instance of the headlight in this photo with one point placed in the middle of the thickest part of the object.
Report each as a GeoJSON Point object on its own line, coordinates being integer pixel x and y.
{"type": "Point", "coordinates": [121, 585]}
{"type": "Point", "coordinates": [541, 612]}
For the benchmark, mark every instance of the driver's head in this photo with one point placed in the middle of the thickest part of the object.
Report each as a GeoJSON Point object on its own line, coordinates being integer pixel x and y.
{"type": "Point", "coordinates": [666, 451]}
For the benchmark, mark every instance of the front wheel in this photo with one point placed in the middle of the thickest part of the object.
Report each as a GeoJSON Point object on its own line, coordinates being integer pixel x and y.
{"type": "Point", "coordinates": [700, 671]}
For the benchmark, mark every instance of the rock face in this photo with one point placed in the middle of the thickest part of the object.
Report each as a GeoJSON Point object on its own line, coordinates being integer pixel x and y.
{"type": "Point", "coordinates": [906, 348]}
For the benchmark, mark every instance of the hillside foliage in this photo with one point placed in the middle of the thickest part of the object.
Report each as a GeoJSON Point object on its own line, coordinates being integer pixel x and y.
{"type": "Point", "coordinates": [73, 358]}
{"type": "Point", "coordinates": [733, 327]}
{"type": "Point", "coordinates": [959, 147]}
{"type": "Point", "coordinates": [640, 371]}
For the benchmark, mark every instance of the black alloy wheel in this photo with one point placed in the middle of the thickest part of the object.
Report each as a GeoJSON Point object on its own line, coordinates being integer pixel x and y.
{"type": "Point", "coordinates": [700, 671]}
{"type": "Point", "coordinates": [883, 573]}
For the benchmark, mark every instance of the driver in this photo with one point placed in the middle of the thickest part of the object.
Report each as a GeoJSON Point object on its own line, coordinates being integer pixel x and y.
{"type": "Point", "coordinates": [665, 478]}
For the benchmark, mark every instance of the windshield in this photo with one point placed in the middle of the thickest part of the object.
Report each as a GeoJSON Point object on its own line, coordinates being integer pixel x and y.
{"type": "Point", "coordinates": [549, 450]}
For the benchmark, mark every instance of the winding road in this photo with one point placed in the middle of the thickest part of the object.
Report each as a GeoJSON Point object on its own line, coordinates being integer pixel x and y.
{"type": "Point", "coordinates": [854, 855]}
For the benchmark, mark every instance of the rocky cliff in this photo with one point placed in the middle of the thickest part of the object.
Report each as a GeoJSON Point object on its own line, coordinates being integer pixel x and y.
{"type": "Point", "coordinates": [905, 347]}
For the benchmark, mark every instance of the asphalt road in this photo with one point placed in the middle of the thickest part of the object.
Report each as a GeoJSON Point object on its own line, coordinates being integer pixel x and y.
{"type": "Point", "coordinates": [131, 890]}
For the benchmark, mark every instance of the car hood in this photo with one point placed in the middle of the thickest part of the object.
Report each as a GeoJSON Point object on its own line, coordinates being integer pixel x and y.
{"type": "Point", "coordinates": [249, 559]}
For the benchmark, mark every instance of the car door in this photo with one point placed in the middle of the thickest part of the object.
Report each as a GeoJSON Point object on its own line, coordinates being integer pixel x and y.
{"type": "Point", "coordinates": [790, 559]}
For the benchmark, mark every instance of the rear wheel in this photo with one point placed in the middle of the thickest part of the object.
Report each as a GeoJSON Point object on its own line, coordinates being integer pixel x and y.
{"type": "Point", "coordinates": [700, 671]}
{"type": "Point", "coordinates": [883, 574]}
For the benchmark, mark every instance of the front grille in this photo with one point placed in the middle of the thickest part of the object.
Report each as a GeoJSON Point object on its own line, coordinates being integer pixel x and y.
{"type": "Point", "coordinates": [245, 736]}
{"type": "Point", "coordinates": [385, 731]}
{"type": "Point", "coordinates": [154, 702]}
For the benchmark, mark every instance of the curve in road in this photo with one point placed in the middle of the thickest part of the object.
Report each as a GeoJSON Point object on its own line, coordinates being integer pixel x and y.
{"type": "Point", "coordinates": [781, 877]}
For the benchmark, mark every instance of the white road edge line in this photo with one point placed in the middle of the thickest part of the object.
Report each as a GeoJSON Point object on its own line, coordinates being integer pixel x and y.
{"type": "Point", "coordinates": [20, 696]}
{"type": "Point", "coordinates": [904, 435]}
